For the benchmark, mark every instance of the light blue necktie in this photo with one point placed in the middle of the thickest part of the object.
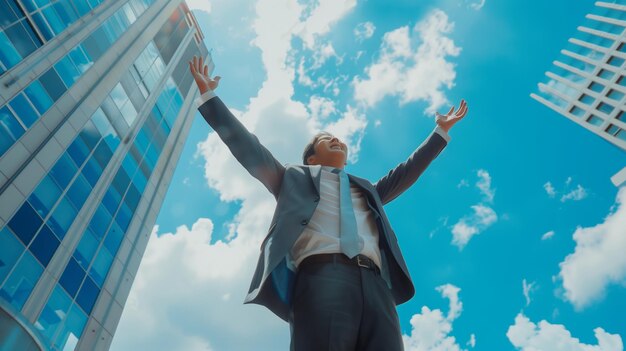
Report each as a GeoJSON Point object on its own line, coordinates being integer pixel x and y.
{"type": "Point", "coordinates": [351, 243]}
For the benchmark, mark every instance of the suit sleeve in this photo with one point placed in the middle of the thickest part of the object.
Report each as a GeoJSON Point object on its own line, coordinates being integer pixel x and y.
{"type": "Point", "coordinates": [245, 146]}
{"type": "Point", "coordinates": [405, 174]}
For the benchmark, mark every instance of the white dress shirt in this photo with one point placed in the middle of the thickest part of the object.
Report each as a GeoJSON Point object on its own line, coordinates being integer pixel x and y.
{"type": "Point", "coordinates": [322, 233]}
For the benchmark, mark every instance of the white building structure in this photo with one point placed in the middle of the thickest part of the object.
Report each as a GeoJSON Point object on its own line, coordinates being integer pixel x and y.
{"type": "Point", "coordinates": [588, 82]}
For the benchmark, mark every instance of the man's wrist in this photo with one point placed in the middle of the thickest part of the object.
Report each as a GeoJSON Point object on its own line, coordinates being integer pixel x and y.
{"type": "Point", "coordinates": [206, 96]}
{"type": "Point", "coordinates": [443, 133]}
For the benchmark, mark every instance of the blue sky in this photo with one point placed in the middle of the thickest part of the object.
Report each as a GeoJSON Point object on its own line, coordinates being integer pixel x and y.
{"type": "Point", "coordinates": [470, 229]}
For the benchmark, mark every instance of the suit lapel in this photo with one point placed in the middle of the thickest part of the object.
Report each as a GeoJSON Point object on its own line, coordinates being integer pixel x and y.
{"type": "Point", "coordinates": [316, 175]}
{"type": "Point", "coordinates": [361, 182]}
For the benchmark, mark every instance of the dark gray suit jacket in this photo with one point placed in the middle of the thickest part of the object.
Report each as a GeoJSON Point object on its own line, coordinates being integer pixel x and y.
{"type": "Point", "coordinates": [296, 189]}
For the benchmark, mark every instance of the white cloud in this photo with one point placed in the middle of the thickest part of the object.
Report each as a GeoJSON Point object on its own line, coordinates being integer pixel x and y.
{"type": "Point", "coordinates": [358, 55]}
{"type": "Point", "coordinates": [303, 77]}
{"type": "Point", "coordinates": [321, 107]}
{"type": "Point", "coordinates": [364, 30]}
{"type": "Point", "coordinates": [549, 189]}
{"type": "Point", "coordinates": [200, 5]}
{"type": "Point", "coordinates": [472, 341]}
{"type": "Point", "coordinates": [188, 295]}
{"type": "Point", "coordinates": [527, 288]}
{"type": "Point", "coordinates": [320, 16]}
{"type": "Point", "coordinates": [462, 184]}
{"type": "Point", "coordinates": [484, 184]}
{"type": "Point", "coordinates": [409, 74]}
{"type": "Point", "coordinates": [547, 235]}
{"type": "Point", "coordinates": [431, 329]}
{"type": "Point", "coordinates": [598, 259]}
{"type": "Point", "coordinates": [528, 336]}
{"type": "Point", "coordinates": [326, 13]}
{"type": "Point", "coordinates": [332, 85]}
{"type": "Point", "coordinates": [322, 54]}
{"type": "Point", "coordinates": [451, 292]}
{"type": "Point", "coordinates": [577, 194]}
{"type": "Point", "coordinates": [483, 216]}
{"type": "Point", "coordinates": [477, 5]}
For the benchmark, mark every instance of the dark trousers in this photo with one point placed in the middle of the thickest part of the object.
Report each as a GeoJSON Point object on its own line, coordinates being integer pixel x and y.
{"type": "Point", "coordinates": [340, 307]}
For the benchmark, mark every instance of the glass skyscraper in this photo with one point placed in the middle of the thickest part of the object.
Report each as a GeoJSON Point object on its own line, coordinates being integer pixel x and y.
{"type": "Point", "coordinates": [587, 84]}
{"type": "Point", "coordinates": [96, 101]}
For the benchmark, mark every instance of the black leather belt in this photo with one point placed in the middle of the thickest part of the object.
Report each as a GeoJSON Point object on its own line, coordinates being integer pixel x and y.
{"type": "Point", "coordinates": [358, 260]}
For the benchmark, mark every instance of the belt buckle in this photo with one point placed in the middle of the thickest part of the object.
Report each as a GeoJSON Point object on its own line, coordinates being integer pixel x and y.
{"type": "Point", "coordinates": [360, 260]}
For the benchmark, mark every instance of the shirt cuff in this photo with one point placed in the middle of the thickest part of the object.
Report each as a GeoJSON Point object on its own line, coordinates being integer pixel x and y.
{"type": "Point", "coordinates": [208, 95]}
{"type": "Point", "coordinates": [443, 133]}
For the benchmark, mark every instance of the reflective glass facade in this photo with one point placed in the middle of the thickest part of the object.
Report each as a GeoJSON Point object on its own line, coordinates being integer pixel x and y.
{"type": "Point", "coordinates": [84, 216]}
{"type": "Point", "coordinates": [588, 81]}
{"type": "Point", "coordinates": [26, 108]}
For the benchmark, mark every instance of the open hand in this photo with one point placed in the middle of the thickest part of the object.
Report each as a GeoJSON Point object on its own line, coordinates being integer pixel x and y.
{"type": "Point", "coordinates": [449, 119]}
{"type": "Point", "coordinates": [200, 73]}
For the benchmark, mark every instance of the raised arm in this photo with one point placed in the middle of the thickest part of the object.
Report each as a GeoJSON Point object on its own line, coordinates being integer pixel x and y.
{"type": "Point", "coordinates": [245, 146]}
{"type": "Point", "coordinates": [405, 174]}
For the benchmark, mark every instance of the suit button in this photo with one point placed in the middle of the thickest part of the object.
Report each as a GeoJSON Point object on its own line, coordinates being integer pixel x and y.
{"type": "Point", "coordinates": [304, 222]}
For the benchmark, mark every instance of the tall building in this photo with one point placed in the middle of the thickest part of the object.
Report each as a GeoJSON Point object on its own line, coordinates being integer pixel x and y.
{"type": "Point", "coordinates": [587, 84]}
{"type": "Point", "coordinates": [96, 101]}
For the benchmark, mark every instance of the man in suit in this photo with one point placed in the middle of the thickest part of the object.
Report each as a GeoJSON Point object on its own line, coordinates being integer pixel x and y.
{"type": "Point", "coordinates": [330, 264]}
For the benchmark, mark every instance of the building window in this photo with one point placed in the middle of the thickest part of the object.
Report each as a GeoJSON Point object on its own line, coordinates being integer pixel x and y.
{"type": "Point", "coordinates": [595, 39]}
{"type": "Point", "coordinates": [25, 223]}
{"type": "Point", "coordinates": [586, 99]}
{"type": "Point", "coordinates": [621, 81]}
{"type": "Point", "coordinates": [53, 312]}
{"type": "Point", "coordinates": [612, 129]}
{"type": "Point", "coordinates": [10, 251]}
{"type": "Point", "coordinates": [577, 111]}
{"type": "Point", "coordinates": [38, 96]}
{"type": "Point", "coordinates": [615, 95]}
{"type": "Point", "coordinates": [100, 266]}
{"type": "Point", "coordinates": [72, 277]}
{"type": "Point", "coordinates": [10, 129]}
{"type": "Point", "coordinates": [87, 295]}
{"type": "Point", "coordinates": [44, 246]}
{"type": "Point", "coordinates": [594, 120]}
{"type": "Point", "coordinates": [605, 74]}
{"type": "Point", "coordinates": [615, 61]}
{"type": "Point", "coordinates": [571, 76]}
{"type": "Point", "coordinates": [21, 282]}
{"type": "Point", "coordinates": [596, 87]}
{"type": "Point", "coordinates": [24, 110]}
{"type": "Point", "coordinates": [71, 329]}
{"type": "Point", "coordinates": [578, 64]}
{"type": "Point", "coordinates": [45, 196]}
{"type": "Point", "coordinates": [53, 84]}
{"type": "Point", "coordinates": [605, 27]}
{"type": "Point", "coordinates": [86, 249]}
{"type": "Point", "coordinates": [606, 108]}
{"type": "Point", "coordinates": [621, 135]}
{"type": "Point", "coordinates": [620, 116]}
{"type": "Point", "coordinates": [611, 13]}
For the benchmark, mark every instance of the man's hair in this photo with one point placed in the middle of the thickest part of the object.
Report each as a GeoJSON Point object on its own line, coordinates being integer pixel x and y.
{"type": "Point", "coordinates": [309, 149]}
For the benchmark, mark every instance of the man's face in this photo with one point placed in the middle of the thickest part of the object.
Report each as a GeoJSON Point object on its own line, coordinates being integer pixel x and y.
{"type": "Point", "coordinates": [330, 151]}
